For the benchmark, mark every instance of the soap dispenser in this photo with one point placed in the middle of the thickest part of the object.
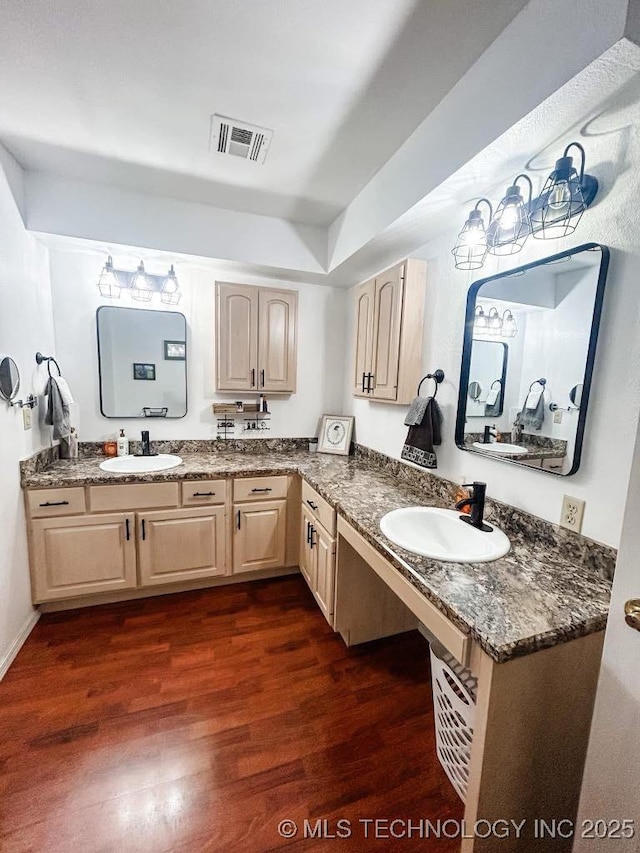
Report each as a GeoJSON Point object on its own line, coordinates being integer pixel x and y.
{"type": "Point", "coordinates": [123, 444]}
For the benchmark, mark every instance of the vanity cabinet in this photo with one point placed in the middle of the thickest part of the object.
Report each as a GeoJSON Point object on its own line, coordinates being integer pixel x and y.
{"type": "Point", "coordinates": [181, 544]}
{"type": "Point", "coordinates": [389, 317]}
{"type": "Point", "coordinates": [256, 334]}
{"type": "Point", "coordinates": [260, 523]}
{"type": "Point", "coordinates": [318, 549]}
{"type": "Point", "coordinates": [82, 555]}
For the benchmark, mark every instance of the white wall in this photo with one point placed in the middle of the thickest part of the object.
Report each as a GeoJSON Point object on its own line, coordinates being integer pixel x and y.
{"type": "Point", "coordinates": [25, 327]}
{"type": "Point", "coordinates": [321, 336]}
{"type": "Point", "coordinates": [615, 402]}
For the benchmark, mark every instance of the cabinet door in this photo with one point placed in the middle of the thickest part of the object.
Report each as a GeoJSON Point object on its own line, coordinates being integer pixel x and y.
{"type": "Point", "coordinates": [260, 532]}
{"type": "Point", "coordinates": [83, 555]}
{"type": "Point", "coordinates": [277, 340]}
{"type": "Point", "coordinates": [237, 337]}
{"type": "Point", "coordinates": [307, 554]}
{"type": "Point", "coordinates": [181, 545]}
{"type": "Point", "coordinates": [324, 548]}
{"type": "Point", "coordinates": [386, 338]}
{"type": "Point", "coordinates": [363, 338]}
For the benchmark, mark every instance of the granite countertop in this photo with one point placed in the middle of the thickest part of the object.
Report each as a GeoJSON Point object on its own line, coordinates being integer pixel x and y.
{"type": "Point", "coordinates": [547, 590]}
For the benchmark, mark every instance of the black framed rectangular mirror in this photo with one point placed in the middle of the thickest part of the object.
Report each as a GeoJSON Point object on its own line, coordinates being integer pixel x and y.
{"type": "Point", "coordinates": [527, 361]}
{"type": "Point", "coordinates": [142, 362]}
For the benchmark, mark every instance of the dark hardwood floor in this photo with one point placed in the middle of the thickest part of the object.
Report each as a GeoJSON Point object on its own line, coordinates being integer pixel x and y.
{"type": "Point", "coordinates": [198, 722]}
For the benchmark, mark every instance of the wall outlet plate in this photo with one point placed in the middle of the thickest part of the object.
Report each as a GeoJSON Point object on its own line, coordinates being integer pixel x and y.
{"type": "Point", "coordinates": [557, 416]}
{"type": "Point", "coordinates": [572, 513]}
{"type": "Point", "coordinates": [26, 417]}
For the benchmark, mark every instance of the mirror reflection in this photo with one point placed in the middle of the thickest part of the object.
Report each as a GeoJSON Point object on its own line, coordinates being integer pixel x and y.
{"type": "Point", "coordinates": [9, 379]}
{"type": "Point", "coordinates": [142, 358]}
{"type": "Point", "coordinates": [528, 357]}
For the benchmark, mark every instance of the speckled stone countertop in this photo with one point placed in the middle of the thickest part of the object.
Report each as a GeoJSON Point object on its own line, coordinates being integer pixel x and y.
{"type": "Point", "coordinates": [553, 585]}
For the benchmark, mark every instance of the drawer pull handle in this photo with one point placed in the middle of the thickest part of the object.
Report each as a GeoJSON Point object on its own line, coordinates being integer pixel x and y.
{"type": "Point", "coordinates": [261, 490]}
{"type": "Point", "coordinates": [144, 530]}
{"type": "Point", "coordinates": [313, 506]}
{"type": "Point", "coordinates": [203, 494]}
{"type": "Point", "coordinates": [55, 503]}
{"type": "Point", "coordinates": [126, 527]}
{"type": "Point", "coordinates": [238, 520]}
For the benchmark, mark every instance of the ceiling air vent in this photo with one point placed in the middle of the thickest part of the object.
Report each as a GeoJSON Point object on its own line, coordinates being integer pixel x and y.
{"type": "Point", "coordinates": [248, 141]}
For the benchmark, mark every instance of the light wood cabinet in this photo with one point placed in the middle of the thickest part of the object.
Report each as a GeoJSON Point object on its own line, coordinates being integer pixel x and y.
{"type": "Point", "coordinates": [389, 317]}
{"type": "Point", "coordinates": [81, 555]}
{"type": "Point", "coordinates": [256, 338]}
{"type": "Point", "coordinates": [325, 556]}
{"type": "Point", "coordinates": [317, 551]}
{"type": "Point", "coordinates": [181, 544]}
{"type": "Point", "coordinates": [260, 535]}
{"type": "Point", "coordinates": [307, 566]}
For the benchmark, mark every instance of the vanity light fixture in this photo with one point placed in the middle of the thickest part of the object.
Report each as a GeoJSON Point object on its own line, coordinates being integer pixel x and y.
{"type": "Point", "coordinates": [509, 325]}
{"type": "Point", "coordinates": [564, 198]}
{"type": "Point", "coordinates": [140, 284]}
{"type": "Point", "coordinates": [480, 323]}
{"type": "Point", "coordinates": [510, 226]}
{"type": "Point", "coordinates": [494, 323]}
{"type": "Point", "coordinates": [108, 283]}
{"type": "Point", "coordinates": [470, 249]}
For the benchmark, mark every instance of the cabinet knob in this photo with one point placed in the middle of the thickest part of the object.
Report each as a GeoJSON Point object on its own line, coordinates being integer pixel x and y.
{"type": "Point", "coordinates": [632, 613]}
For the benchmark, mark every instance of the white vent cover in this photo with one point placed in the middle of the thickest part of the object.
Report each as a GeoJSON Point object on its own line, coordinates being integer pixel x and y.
{"type": "Point", "coordinates": [248, 141]}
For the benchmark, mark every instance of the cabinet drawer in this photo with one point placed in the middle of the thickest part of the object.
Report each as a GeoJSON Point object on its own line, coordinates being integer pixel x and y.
{"type": "Point", "coordinates": [204, 492]}
{"type": "Point", "coordinates": [134, 496]}
{"type": "Point", "coordinates": [45, 503]}
{"type": "Point", "coordinates": [319, 507]}
{"type": "Point", "coordinates": [257, 488]}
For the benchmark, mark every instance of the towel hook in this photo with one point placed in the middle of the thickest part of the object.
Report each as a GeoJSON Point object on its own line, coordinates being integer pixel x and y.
{"type": "Point", "coordinates": [48, 358]}
{"type": "Point", "coordinates": [437, 376]}
{"type": "Point", "coordinates": [541, 381]}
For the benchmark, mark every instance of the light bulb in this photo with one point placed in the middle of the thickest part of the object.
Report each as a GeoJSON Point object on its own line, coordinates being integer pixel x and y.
{"type": "Point", "coordinates": [108, 284]}
{"type": "Point", "coordinates": [560, 195]}
{"type": "Point", "coordinates": [141, 285]}
{"type": "Point", "coordinates": [510, 217]}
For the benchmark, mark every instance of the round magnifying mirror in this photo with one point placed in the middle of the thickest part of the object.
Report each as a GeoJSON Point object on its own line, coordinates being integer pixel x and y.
{"type": "Point", "coordinates": [9, 379]}
{"type": "Point", "coordinates": [474, 390]}
{"type": "Point", "coordinates": [575, 395]}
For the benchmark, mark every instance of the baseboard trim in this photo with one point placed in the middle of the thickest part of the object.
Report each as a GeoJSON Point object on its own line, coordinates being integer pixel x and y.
{"type": "Point", "coordinates": [18, 643]}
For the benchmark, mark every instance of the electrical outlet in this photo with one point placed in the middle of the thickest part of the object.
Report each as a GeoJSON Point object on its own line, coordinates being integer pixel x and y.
{"type": "Point", "coordinates": [572, 513]}
{"type": "Point", "coordinates": [26, 417]}
{"type": "Point", "coordinates": [557, 416]}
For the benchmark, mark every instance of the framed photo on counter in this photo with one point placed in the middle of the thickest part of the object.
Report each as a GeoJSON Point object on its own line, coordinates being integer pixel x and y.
{"type": "Point", "coordinates": [335, 434]}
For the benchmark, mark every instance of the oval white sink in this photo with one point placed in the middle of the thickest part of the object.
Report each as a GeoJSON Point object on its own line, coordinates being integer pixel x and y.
{"type": "Point", "coordinates": [442, 535]}
{"type": "Point", "coordinates": [140, 464]}
{"type": "Point", "coordinates": [501, 447]}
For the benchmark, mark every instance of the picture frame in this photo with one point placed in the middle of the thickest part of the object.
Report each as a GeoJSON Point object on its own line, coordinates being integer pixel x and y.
{"type": "Point", "coordinates": [335, 434]}
{"type": "Point", "coordinates": [144, 372]}
{"type": "Point", "coordinates": [175, 350]}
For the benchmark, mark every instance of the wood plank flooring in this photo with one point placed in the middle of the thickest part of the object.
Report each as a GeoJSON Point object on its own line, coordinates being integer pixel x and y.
{"type": "Point", "coordinates": [199, 721]}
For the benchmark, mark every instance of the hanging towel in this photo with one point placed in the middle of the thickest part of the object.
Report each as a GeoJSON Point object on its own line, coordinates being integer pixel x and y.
{"type": "Point", "coordinates": [65, 391]}
{"type": "Point", "coordinates": [57, 416]}
{"type": "Point", "coordinates": [416, 411]}
{"type": "Point", "coordinates": [421, 438]}
{"type": "Point", "coordinates": [494, 399]}
{"type": "Point", "coordinates": [532, 415]}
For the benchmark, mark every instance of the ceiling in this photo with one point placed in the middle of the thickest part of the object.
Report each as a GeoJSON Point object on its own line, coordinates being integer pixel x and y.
{"type": "Point", "coordinates": [121, 93]}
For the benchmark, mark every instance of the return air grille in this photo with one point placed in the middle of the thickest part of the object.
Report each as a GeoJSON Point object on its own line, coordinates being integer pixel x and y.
{"type": "Point", "coordinates": [247, 141]}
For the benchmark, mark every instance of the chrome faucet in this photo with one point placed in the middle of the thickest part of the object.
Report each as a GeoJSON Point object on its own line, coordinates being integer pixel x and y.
{"type": "Point", "coordinates": [476, 502]}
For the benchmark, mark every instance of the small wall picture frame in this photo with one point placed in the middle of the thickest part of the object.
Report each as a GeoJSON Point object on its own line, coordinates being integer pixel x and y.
{"type": "Point", "coordinates": [175, 351]}
{"type": "Point", "coordinates": [335, 434]}
{"type": "Point", "coordinates": [145, 372]}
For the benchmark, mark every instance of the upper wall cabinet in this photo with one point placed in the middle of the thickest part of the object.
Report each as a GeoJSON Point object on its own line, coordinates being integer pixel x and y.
{"type": "Point", "coordinates": [256, 338]}
{"type": "Point", "coordinates": [389, 316]}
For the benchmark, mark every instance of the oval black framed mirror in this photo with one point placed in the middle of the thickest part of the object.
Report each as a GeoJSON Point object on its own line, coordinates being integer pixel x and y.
{"type": "Point", "coordinates": [9, 379]}
{"type": "Point", "coordinates": [549, 316]}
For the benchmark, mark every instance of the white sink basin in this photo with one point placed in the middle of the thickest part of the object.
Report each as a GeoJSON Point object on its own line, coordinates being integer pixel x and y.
{"type": "Point", "coordinates": [501, 447]}
{"type": "Point", "coordinates": [442, 535]}
{"type": "Point", "coordinates": [140, 464]}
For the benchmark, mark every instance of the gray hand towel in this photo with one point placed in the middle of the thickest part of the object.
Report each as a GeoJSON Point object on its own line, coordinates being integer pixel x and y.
{"type": "Point", "coordinates": [492, 410]}
{"type": "Point", "coordinates": [533, 418]}
{"type": "Point", "coordinates": [421, 438]}
{"type": "Point", "coordinates": [416, 411]}
{"type": "Point", "coordinates": [57, 414]}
